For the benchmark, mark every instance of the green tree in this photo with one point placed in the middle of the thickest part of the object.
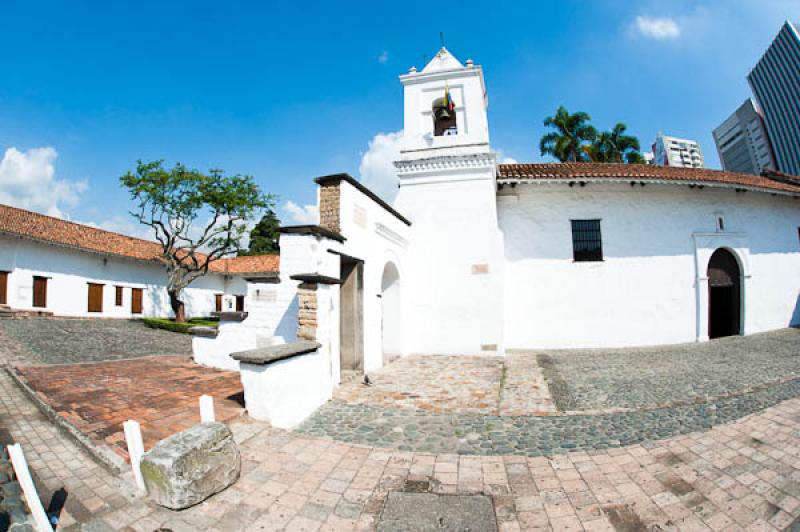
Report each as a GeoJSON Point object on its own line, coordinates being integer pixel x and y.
{"type": "Point", "coordinates": [174, 201]}
{"type": "Point", "coordinates": [264, 236]}
{"type": "Point", "coordinates": [572, 131]}
{"type": "Point", "coordinates": [614, 147]}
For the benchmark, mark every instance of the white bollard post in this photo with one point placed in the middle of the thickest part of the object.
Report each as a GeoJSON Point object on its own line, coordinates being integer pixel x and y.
{"type": "Point", "coordinates": [133, 437]}
{"type": "Point", "coordinates": [206, 409]}
{"type": "Point", "coordinates": [26, 482]}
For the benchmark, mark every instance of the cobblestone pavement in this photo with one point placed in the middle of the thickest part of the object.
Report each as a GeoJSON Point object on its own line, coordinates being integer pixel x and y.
{"type": "Point", "coordinates": [161, 393]}
{"type": "Point", "coordinates": [455, 384]}
{"type": "Point", "coordinates": [589, 379]}
{"type": "Point", "coordinates": [64, 341]}
{"type": "Point", "coordinates": [419, 430]}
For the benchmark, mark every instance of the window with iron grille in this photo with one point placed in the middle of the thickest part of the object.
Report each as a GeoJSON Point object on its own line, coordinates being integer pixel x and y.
{"type": "Point", "coordinates": [586, 242]}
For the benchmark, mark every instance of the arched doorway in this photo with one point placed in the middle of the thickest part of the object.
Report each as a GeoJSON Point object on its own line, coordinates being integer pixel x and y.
{"type": "Point", "coordinates": [724, 295]}
{"type": "Point", "coordinates": [391, 315]}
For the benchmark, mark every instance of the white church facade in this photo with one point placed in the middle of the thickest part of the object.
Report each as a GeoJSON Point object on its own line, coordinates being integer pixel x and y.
{"type": "Point", "coordinates": [476, 257]}
{"type": "Point", "coordinates": [473, 257]}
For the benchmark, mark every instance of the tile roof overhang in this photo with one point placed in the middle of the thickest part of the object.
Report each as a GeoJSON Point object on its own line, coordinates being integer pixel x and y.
{"type": "Point", "coordinates": [625, 173]}
{"type": "Point", "coordinates": [45, 229]}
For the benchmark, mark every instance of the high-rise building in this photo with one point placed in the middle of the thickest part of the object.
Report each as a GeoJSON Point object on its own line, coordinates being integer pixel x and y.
{"type": "Point", "coordinates": [742, 141]}
{"type": "Point", "coordinates": [775, 82]}
{"type": "Point", "coordinates": [673, 151]}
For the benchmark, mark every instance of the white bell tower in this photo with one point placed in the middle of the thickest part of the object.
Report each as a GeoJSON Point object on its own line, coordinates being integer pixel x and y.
{"type": "Point", "coordinates": [448, 191]}
{"type": "Point", "coordinates": [423, 90]}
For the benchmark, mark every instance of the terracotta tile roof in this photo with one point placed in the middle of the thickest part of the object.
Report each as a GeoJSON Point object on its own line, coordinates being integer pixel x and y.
{"type": "Point", "coordinates": [638, 172]}
{"type": "Point", "coordinates": [251, 264]}
{"type": "Point", "coordinates": [40, 227]}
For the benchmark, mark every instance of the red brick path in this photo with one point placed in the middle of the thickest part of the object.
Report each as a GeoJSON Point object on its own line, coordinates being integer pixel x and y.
{"type": "Point", "coordinates": [160, 392]}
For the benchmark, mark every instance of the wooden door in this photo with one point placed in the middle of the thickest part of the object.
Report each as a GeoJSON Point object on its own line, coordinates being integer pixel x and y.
{"type": "Point", "coordinates": [40, 292]}
{"type": "Point", "coordinates": [3, 288]}
{"type": "Point", "coordinates": [239, 303]}
{"type": "Point", "coordinates": [136, 300]}
{"type": "Point", "coordinates": [95, 297]}
{"type": "Point", "coordinates": [218, 302]}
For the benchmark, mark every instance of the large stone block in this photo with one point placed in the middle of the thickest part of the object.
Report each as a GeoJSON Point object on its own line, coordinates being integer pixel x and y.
{"type": "Point", "coordinates": [187, 468]}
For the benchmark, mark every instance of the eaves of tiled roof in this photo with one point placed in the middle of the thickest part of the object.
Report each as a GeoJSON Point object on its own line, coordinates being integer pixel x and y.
{"type": "Point", "coordinates": [509, 173]}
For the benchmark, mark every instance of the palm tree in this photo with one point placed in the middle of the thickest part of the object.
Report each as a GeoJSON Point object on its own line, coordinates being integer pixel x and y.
{"type": "Point", "coordinates": [567, 143]}
{"type": "Point", "coordinates": [615, 147]}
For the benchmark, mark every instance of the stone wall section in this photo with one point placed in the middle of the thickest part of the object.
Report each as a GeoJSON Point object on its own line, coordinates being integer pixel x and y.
{"type": "Point", "coordinates": [329, 207]}
{"type": "Point", "coordinates": [307, 313]}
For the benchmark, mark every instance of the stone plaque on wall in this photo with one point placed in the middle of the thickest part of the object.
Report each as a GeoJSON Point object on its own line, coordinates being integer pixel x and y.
{"type": "Point", "coordinates": [265, 296]}
{"type": "Point", "coordinates": [360, 216]}
{"type": "Point", "coordinates": [480, 269]}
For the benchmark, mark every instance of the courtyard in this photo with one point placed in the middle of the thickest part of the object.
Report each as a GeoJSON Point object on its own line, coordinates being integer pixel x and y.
{"type": "Point", "coordinates": [698, 436]}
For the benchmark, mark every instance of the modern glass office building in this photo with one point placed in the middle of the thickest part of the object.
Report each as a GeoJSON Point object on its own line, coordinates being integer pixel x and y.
{"type": "Point", "coordinates": [775, 82]}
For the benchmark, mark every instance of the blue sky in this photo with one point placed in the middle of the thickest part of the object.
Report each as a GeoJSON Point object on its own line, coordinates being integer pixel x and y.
{"type": "Point", "coordinates": [288, 91]}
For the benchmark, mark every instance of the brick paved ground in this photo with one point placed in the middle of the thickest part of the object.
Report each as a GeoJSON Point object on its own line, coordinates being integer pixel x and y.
{"type": "Point", "coordinates": [161, 393]}
{"type": "Point", "coordinates": [63, 341]}
{"type": "Point", "coordinates": [742, 476]}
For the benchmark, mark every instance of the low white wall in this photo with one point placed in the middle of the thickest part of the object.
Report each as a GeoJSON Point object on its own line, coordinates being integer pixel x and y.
{"type": "Point", "coordinates": [69, 272]}
{"type": "Point", "coordinates": [656, 241]}
{"type": "Point", "coordinates": [286, 392]}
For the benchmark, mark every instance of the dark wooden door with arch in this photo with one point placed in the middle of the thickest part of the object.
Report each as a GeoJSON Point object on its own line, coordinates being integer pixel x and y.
{"type": "Point", "coordinates": [724, 295]}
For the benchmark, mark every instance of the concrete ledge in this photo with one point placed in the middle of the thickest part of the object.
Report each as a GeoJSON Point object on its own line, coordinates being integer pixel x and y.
{"type": "Point", "coordinates": [315, 230]}
{"type": "Point", "coordinates": [205, 332]}
{"type": "Point", "coordinates": [230, 316]}
{"type": "Point", "coordinates": [268, 355]}
{"type": "Point", "coordinates": [100, 453]}
{"type": "Point", "coordinates": [315, 278]}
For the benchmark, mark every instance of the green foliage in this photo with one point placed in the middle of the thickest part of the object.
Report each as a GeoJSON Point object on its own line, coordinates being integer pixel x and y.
{"type": "Point", "coordinates": [264, 236]}
{"type": "Point", "coordinates": [575, 140]}
{"type": "Point", "coordinates": [572, 131]}
{"type": "Point", "coordinates": [197, 218]}
{"type": "Point", "coordinates": [615, 147]}
{"type": "Point", "coordinates": [172, 325]}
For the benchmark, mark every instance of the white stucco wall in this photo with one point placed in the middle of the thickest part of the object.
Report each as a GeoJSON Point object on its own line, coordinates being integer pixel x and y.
{"type": "Point", "coordinates": [68, 272]}
{"type": "Point", "coordinates": [286, 392]}
{"type": "Point", "coordinates": [650, 287]}
{"type": "Point", "coordinates": [454, 263]}
{"type": "Point", "coordinates": [377, 237]}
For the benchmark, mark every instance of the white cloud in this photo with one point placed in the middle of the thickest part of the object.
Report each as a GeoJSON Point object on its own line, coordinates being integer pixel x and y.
{"type": "Point", "coordinates": [657, 28]}
{"type": "Point", "coordinates": [504, 158]}
{"type": "Point", "coordinates": [377, 169]}
{"type": "Point", "coordinates": [384, 57]}
{"type": "Point", "coordinates": [305, 214]}
{"type": "Point", "coordinates": [27, 180]}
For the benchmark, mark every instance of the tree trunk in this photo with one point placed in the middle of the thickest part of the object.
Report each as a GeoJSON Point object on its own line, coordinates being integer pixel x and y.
{"type": "Point", "coordinates": [177, 307]}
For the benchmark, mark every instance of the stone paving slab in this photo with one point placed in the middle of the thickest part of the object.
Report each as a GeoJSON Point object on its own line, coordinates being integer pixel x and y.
{"type": "Point", "coordinates": [66, 341]}
{"type": "Point", "coordinates": [591, 379]}
{"type": "Point", "coordinates": [161, 393]}
{"type": "Point", "coordinates": [455, 384]}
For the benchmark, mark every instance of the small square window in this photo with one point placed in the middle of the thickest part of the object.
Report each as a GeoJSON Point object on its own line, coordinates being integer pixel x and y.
{"type": "Point", "coordinates": [587, 245]}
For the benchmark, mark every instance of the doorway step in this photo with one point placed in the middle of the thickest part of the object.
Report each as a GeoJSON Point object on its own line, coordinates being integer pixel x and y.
{"type": "Point", "coordinates": [8, 313]}
{"type": "Point", "coordinates": [352, 376]}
